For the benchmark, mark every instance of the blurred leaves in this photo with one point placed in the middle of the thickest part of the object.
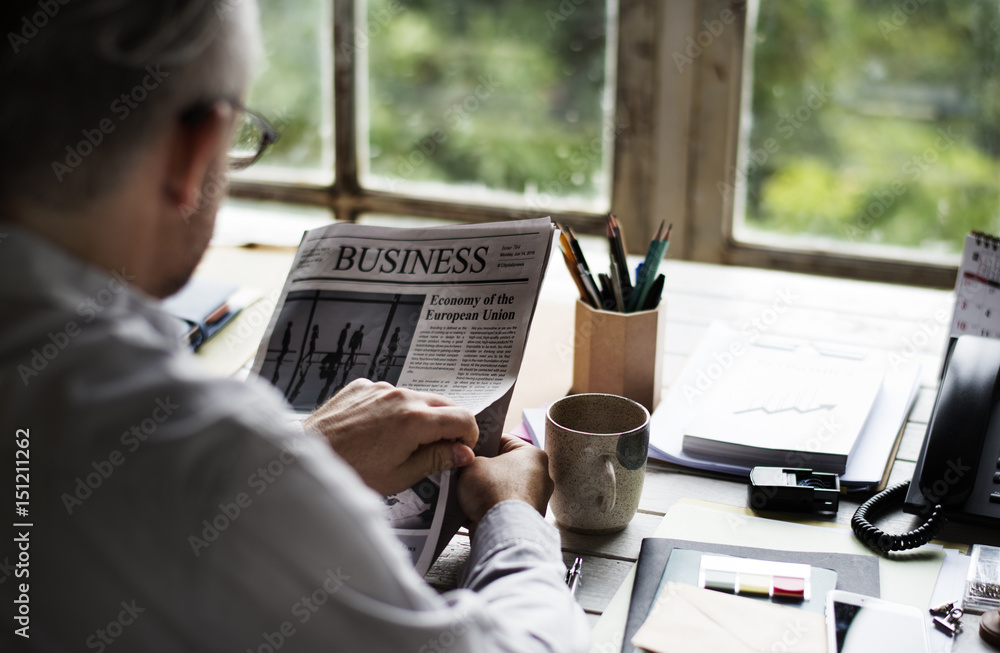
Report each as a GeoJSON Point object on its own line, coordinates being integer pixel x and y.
{"type": "Point", "coordinates": [906, 150]}
{"type": "Point", "coordinates": [288, 88]}
{"type": "Point", "coordinates": [510, 96]}
{"type": "Point", "coordinates": [505, 95]}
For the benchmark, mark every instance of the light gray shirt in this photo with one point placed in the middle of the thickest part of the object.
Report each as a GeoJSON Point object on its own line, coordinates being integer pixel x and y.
{"type": "Point", "coordinates": [174, 512]}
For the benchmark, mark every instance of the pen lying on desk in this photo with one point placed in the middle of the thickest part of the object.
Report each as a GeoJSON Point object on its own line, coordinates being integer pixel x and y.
{"type": "Point", "coordinates": [573, 575]}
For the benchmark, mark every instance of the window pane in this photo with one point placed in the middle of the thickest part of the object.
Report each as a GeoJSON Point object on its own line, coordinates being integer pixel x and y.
{"type": "Point", "coordinates": [873, 122]}
{"type": "Point", "coordinates": [488, 101]}
{"type": "Point", "coordinates": [292, 90]}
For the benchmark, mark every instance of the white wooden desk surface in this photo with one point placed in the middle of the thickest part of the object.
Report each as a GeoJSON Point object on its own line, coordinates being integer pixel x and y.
{"type": "Point", "coordinates": [905, 320]}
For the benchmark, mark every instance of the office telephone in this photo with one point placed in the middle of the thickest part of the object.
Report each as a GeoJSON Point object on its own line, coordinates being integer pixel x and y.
{"type": "Point", "coordinates": [958, 470]}
{"type": "Point", "coordinates": [959, 463]}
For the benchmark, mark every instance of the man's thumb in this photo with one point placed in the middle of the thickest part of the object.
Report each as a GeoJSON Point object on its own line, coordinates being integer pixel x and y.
{"type": "Point", "coordinates": [438, 457]}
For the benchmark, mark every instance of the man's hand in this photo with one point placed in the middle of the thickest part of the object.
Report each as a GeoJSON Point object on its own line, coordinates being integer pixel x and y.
{"type": "Point", "coordinates": [520, 471]}
{"type": "Point", "coordinates": [394, 437]}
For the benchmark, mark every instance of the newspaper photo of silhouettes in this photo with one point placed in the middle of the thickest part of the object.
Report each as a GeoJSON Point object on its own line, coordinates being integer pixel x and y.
{"type": "Point", "coordinates": [325, 339]}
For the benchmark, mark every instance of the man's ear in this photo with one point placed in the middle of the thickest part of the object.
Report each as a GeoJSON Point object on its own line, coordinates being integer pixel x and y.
{"type": "Point", "coordinates": [197, 144]}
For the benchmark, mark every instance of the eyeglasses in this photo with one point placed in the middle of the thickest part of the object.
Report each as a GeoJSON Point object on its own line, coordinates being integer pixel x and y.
{"type": "Point", "coordinates": [253, 135]}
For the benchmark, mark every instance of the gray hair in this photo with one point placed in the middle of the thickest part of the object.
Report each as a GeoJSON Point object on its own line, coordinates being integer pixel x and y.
{"type": "Point", "coordinates": [88, 83]}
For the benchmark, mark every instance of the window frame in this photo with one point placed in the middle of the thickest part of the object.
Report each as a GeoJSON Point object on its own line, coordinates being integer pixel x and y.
{"type": "Point", "coordinates": [677, 135]}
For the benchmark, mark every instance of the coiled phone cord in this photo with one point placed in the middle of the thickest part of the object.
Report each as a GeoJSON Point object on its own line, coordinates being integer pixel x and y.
{"type": "Point", "coordinates": [883, 542]}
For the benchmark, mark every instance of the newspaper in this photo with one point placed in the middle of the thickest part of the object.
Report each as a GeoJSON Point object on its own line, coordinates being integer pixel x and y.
{"type": "Point", "coordinates": [437, 309]}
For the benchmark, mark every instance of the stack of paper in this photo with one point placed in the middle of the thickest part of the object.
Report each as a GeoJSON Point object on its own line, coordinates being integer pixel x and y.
{"type": "Point", "coordinates": [782, 404]}
{"type": "Point", "coordinates": [764, 410]}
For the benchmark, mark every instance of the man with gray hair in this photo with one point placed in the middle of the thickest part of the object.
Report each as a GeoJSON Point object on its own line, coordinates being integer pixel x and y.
{"type": "Point", "coordinates": [158, 510]}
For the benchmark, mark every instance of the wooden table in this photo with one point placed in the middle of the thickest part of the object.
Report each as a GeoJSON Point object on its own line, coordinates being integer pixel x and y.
{"type": "Point", "coordinates": [905, 320]}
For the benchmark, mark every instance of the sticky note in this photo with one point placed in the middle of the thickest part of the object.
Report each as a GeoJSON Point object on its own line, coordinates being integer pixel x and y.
{"type": "Point", "coordinates": [790, 587]}
{"type": "Point", "coordinates": [719, 580]}
{"type": "Point", "coordinates": [755, 584]}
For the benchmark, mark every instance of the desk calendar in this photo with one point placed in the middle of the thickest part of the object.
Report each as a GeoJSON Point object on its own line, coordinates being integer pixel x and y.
{"type": "Point", "coordinates": [977, 288]}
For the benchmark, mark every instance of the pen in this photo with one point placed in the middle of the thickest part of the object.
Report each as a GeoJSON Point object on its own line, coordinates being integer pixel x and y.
{"type": "Point", "coordinates": [616, 287]}
{"type": "Point", "coordinates": [579, 271]}
{"type": "Point", "coordinates": [590, 286]}
{"type": "Point", "coordinates": [642, 273]}
{"type": "Point", "coordinates": [608, 301]}
{"type": "Point", "coordinates": [655, 291]}
{"type": "Point", "coordinates": [581, 263]}
{"type": "Point", "coordinates": [657, 249]}
{"type": "Point", "coordinates": [574, 574]}
{"type": "Point", "coordinates": [571, 266]}
{"type": "Point", "coordinates": [564, 242]}
{"type": "Point", "coordinates": [618, 259]}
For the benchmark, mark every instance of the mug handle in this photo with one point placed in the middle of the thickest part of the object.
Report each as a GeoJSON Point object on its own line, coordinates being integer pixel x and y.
{"type": "Point", "coordinates": [610, 485]}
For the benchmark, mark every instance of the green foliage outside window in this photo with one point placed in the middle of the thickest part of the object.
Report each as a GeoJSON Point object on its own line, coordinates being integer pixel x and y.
{"type": "Point", "coordinates": [288, 89]}
{"type": "Point", "coordinates": [876, 121]}
{"type": "Point", "coordinates": [507, 95]}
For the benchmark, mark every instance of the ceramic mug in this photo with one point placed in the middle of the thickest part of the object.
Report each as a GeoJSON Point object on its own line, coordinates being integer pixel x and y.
{"type": "Point", "coordinates": [597, 446]}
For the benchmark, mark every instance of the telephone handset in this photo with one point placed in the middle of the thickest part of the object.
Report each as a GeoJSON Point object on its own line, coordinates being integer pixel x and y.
{"type": "Point", "coordinates": [958, 463]}
{"type": "Point", "coordinates": [958, 469]}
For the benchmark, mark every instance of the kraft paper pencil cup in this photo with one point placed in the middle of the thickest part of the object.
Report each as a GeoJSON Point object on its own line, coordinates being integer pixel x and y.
{"type": "Point", "coordinates": [619, 353]}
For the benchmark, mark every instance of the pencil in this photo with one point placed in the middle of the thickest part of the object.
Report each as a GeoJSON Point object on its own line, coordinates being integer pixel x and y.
{"type": "Point", "coordinates": [564, 241]}
{"type": "Point", "coordinates": [571, 266]}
